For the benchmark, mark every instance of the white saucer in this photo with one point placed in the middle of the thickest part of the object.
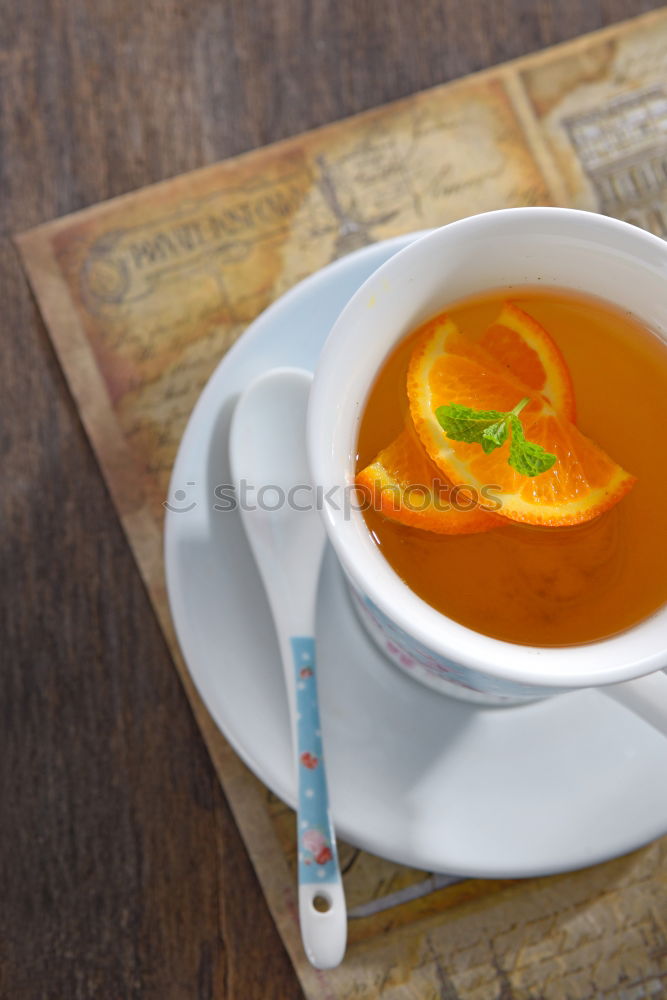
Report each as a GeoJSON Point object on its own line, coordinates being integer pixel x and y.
{"type": "Point", "coordinates": [415, 777]}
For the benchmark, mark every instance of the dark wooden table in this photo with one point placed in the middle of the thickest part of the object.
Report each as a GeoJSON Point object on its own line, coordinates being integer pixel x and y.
{"type": "Point", "coordinates": [122, 874]}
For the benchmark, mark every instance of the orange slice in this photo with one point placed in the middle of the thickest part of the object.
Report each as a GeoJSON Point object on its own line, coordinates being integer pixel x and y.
{"type": "Point", "coordinates": [447, 368]}
{"type": "Point", "coordinates": [403, 484]}
{"type": "Point", "coordinates": [525, 349]}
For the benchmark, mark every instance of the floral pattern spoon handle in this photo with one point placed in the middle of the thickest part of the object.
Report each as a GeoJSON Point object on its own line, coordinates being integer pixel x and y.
{"type": "Point", "coordinates": [267, 449]}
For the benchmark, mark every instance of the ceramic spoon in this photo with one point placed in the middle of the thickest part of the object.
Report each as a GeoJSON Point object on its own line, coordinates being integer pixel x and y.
{"type": "Point", "coordinates": [268, 454]}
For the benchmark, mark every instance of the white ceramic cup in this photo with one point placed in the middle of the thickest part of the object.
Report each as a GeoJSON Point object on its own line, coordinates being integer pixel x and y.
{"type": "Point", "coordinates": [524, 246]}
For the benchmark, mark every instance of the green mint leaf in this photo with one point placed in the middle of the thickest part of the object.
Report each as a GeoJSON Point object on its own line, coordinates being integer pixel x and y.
{"type": "Point", "coordinates": [490, 429]}
{"type": "Point", "coordinates": [527, 457]}
{"type": "Point", "coordinates": [462, 423]}
{"type": "Point", "coordinates": [516, 410]}
{"type": "Point", "coordinates": [494, 436]}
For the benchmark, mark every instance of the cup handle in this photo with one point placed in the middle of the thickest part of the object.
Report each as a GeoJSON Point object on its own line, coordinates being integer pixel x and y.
{"type": "Point", "coordinates": [645, 696]}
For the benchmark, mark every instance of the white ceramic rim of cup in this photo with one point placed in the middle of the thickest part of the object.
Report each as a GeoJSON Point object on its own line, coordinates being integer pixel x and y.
{"type": "Point", "coordinates": [547, 246]}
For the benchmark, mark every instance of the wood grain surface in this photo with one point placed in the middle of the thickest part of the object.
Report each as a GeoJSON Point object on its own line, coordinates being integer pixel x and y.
{"type": "Point", "coordinates": [122, 874]}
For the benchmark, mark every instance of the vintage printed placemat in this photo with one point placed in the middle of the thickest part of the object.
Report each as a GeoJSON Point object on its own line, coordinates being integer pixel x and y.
{"type": "Point", "coordinates": [144, 294]}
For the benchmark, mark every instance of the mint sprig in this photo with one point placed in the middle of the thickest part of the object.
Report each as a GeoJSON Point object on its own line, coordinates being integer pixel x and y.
{"type": "Point", "coordinates": [490, 429]}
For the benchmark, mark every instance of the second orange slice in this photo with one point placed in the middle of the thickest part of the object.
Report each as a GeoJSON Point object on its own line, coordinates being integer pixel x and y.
{"type": "Point", "coordinates": [525, 350]}
{"type": "Point", "coordinates": [403, 484]}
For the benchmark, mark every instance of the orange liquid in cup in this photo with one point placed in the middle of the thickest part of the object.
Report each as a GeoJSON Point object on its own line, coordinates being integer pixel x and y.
{"type": "Point", "coordinates": [549, 586]}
